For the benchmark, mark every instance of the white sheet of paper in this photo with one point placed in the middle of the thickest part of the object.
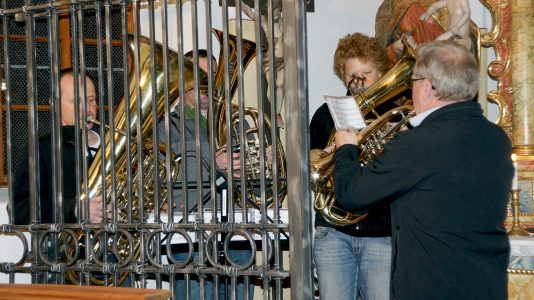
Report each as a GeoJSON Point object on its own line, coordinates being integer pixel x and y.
{"type": "Point", "coordinates": [345, 112]}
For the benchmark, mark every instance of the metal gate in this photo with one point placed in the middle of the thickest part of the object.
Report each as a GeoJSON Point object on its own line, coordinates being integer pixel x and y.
{"type": "Point", "coordinates": [156, 203]}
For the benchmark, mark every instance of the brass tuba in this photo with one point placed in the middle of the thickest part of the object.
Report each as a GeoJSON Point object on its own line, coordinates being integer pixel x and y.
{"type": "Point", "coordinates": [372, 138]}
{"type": "Point", "coordinates": [252, 132]}
{"type": "Point", "coordinates": [127, 247]}
{"type": "Point", "coordinates": [394, 82]}
{"type": "Point", "coordinates": [123, 247]}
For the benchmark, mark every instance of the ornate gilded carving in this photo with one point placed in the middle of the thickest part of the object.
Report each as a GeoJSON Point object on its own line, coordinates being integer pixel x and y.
{"type": "Point", "coordinates": [505, 115]}
{"type": "Point", "coordinates": [498, 38]}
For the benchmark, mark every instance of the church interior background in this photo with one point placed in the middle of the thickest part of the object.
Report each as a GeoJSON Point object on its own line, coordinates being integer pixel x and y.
{"type": "Point", "coordinates": [301, 44]}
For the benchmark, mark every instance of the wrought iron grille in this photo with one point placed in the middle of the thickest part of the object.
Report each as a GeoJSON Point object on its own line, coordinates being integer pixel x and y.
{"type": "Point", "coordinates": [173, 217]}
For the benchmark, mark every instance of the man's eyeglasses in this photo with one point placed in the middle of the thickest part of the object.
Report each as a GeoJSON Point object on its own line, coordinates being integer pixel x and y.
{"type": "Point", "coordinates": [412, 80]}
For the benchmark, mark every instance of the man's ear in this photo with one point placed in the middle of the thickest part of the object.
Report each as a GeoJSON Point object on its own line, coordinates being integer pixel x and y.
{"type": "Point", "coordinates": [428, 89]}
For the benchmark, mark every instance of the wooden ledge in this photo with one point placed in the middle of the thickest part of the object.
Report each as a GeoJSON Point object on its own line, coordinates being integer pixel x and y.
{"type": "Point", "coordinates": [64, 292]}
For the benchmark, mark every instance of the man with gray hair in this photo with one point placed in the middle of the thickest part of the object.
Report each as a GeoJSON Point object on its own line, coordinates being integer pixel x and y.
{"type": "Point", "coordinates": [447, 180]}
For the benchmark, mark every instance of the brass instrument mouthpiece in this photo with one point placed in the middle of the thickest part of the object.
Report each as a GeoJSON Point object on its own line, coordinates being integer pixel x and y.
{"type": "Point", "coordinates": [91, 119]}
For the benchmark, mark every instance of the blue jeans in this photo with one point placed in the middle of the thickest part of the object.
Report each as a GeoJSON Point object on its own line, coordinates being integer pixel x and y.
{"type": "Point", "coordinates": [224, 290]}
{"type": "Point", "coordinates": [349, 266]}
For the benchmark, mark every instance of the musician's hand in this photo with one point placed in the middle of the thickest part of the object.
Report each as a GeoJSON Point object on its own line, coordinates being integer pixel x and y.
{"type": "Point", "coordinates": [96, 215]}
{"type": "Point", "coordinates": [269, 155]}
{"type": "Point", "coordinates": [330, 148]}
{"type": "Point", "coordinates": [344, 137]}
{"type": "Point", "coordinates": [221, 159]}
{"type": "Point", "coordinates": [391, 125]}
{"type": "Point", "coordinates": [165, 206]}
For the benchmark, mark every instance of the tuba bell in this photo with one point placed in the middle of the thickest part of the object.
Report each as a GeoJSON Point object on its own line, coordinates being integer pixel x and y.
{"type": "Point", "coordinates": [393, 83]}
{"type": "Point", "coordinates": [372, 138]}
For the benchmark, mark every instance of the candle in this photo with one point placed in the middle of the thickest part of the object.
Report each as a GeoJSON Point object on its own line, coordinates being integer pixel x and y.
{"type": "Point", "coordinates": [515, 180]}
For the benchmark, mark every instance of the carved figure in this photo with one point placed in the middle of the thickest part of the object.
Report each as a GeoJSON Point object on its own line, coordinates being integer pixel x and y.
{"type": "Point", "coordinates": [458, 24]}
{"type": "Point", "coordinates": [391, 12]}
{"type": "Point", "coordinates": [408, 24]}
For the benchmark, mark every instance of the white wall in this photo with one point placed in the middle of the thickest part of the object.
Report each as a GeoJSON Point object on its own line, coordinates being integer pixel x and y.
{"type": "Point", "coordinates": [326, 26]}
{"type": "Point", "coordinates": [10, 247]}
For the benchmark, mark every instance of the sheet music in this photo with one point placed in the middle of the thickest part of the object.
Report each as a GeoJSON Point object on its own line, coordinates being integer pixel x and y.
{"type": "Point", "coordinates": [345, 112]}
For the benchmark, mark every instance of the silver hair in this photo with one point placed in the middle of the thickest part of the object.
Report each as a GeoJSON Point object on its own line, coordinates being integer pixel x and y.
{"type": "Point", "coordinates": [452, 70]}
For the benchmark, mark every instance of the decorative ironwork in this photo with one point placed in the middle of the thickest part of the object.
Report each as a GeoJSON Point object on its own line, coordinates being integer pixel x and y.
{"type": "Point", "coordinates": [135, 244]}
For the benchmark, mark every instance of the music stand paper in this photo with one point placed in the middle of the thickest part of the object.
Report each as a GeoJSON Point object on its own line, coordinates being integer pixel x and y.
{"type": "Point", "coordinates": [345, 112]}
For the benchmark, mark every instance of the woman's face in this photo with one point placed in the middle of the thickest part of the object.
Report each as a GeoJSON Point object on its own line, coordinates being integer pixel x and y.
{"type": "Point", "coordinates": [363, 70]}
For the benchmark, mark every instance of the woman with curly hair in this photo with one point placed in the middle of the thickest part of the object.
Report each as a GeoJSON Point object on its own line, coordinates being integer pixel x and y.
{"type": "Point", "coordinates": [359, 61]}
{"type": "Point", "coordinates": [354, 260]}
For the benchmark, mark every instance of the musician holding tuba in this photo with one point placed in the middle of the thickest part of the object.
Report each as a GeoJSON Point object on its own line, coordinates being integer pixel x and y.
{"type": "Point", "coordinates": [239, 256]}
{"type": "Point", "coordinates": [68, 146]}
{"type": "Point", "coordinates": [352, 260]}
{"type": "Point", "coordinates": [447, 180]}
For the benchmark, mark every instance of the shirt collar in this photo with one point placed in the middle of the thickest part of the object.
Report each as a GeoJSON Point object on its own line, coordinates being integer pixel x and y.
{"type": "Point", "coordinates": [419, 118]}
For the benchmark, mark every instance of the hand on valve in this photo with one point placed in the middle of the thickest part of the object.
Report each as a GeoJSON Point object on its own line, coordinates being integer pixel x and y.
{"type": "Point", "coordinates": [349, 136]}
{"type": "Point", "coordinates": [221, 159]}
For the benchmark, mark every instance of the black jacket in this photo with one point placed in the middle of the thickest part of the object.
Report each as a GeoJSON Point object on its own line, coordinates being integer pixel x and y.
{"type": "Point", "coordinates": [378, 222]}
{"type": "Point", "coordinates": [21, 194]}
{"type": "Point", "coordinates": [448, 181]}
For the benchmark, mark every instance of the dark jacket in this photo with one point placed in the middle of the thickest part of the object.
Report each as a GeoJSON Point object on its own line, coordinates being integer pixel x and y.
{"type": "Point", "coordinates": [189, 136]}
{"type": "Point", "coordinates": [190, 160]}
{"type": "Point", "coordinates": [21, 189]}
{"type": "Point", "coordinates": [378, 222]}
{"type": "Point", "coordinates": [448, 181]}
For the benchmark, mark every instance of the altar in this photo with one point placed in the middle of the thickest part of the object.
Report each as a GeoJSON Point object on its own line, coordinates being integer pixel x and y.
{"type": "Point", "coordinates": [521, 268]}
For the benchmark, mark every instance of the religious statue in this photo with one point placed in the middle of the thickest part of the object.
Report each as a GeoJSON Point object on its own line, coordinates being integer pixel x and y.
{"type": "Point", "coordinates": [416, 24]}
{"type": "Point", "coordinates": [458, 21]}
{"type": "Point", "coordinates": [396, 19]}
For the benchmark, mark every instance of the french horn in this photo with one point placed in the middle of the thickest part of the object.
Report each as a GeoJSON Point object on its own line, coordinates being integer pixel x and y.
{"type": "Point", "coordinates": [275, 187]}
{"type": "Point", "coordinates": [372, 138]}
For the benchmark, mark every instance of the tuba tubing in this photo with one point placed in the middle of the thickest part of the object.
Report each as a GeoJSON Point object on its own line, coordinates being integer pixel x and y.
{"type": "Point", "coordinates": [95, 180]}
{"type": "Point", "coordinates": [140, 94]}
{"type": "Point", "coordinates": [394, 82]}
{"type": "Point", "coordinates": [371, 142]}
